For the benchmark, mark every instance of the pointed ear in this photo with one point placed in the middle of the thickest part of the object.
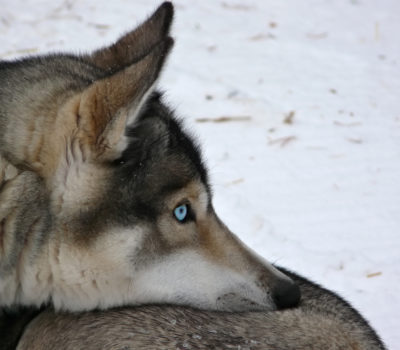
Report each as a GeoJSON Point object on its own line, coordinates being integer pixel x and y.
{"type": "Point", "coordinates": [110, 104]}
{"type": "Point", "coordinates": [136, 44]}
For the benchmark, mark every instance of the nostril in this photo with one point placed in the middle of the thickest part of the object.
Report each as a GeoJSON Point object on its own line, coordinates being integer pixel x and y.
{"type": "Point", "coordinates": [286, 294]}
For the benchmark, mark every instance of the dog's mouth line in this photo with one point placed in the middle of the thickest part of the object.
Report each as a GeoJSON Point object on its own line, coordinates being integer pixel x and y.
{"type": "Point", "coordinates": [235, 302]}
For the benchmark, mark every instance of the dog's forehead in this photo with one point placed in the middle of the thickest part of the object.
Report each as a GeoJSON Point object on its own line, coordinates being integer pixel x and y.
{"type": "Point", "coordinates": [161, 159]}
{"type": "Point", "coordinates": [159, 145]}
{"type": "Point", "coordinates": [171, 175]}
{"type": "Point", "coordinates": [194, 191]}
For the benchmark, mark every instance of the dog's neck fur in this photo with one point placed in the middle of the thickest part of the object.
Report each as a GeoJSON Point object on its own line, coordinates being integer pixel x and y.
{"type": "Point", "coordinates": [25, 221]}
{"type": "Point", "coordinates": [36, 275]}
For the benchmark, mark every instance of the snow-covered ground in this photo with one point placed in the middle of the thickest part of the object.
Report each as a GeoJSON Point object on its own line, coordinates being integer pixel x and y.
{"type": "Point", "coordinates": [306, 164]}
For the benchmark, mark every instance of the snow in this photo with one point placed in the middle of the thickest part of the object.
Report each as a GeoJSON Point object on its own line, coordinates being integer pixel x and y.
{"type": "Point", "coordinates": [318, 193]}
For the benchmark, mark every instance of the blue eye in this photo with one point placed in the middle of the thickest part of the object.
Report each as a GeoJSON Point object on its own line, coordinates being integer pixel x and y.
{"type": "Point", "coordinates": [181, 212]}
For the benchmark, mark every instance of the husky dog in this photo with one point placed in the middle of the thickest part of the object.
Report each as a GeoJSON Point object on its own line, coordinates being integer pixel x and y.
{"type": "Point", "coordinates": [104, 198]}
{"type": "Point", "coordinates": [322, 321]}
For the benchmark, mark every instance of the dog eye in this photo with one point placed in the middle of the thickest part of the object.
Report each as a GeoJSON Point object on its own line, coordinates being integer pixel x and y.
{"type": "Point", "coordinates": [181, 212]}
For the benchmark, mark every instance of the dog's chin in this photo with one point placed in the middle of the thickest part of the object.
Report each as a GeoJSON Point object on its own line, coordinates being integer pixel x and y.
{"type": "Point", "coordinates": [236, 303]}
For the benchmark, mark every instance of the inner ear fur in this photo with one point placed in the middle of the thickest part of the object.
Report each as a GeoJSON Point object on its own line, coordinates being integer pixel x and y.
{"type": "Point", "coordinates": [136, 44]}
{"type": "Point", "coordinates": [110, 104]}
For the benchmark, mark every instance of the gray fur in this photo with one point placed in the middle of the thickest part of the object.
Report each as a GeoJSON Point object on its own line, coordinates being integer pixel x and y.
{"type": "Point", "coordinates": [23, 214]}
{"type": "Point", "coordinates": [322, 321]}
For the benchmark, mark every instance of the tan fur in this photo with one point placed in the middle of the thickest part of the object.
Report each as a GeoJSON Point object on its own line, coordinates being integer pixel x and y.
{"type": "Point", "coordinates": [104, 112]}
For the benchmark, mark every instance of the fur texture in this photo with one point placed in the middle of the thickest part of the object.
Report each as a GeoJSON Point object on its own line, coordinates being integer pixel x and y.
{"type": "Point", "coordinates": [322, 321]}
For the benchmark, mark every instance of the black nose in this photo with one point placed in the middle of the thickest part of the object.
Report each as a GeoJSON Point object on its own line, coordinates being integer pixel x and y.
{"type": "Point", "coordinates": [286, 294]}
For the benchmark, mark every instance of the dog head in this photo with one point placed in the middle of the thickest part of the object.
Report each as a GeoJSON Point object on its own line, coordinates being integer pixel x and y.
{"type": "Point", "coordinates": [129, 192]}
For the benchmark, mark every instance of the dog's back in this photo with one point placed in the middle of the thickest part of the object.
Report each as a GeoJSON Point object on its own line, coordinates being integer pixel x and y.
{"type": "Point", "coordinates": [322, 321]}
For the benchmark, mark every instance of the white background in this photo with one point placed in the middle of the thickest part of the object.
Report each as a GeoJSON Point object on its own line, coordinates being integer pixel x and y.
{"type": "Point", "coordinates": [320, 194]}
